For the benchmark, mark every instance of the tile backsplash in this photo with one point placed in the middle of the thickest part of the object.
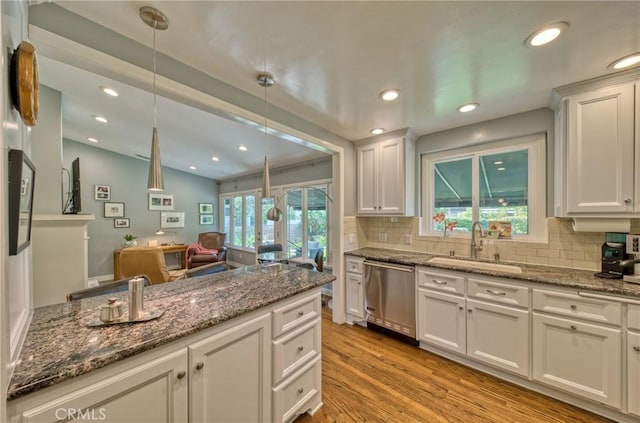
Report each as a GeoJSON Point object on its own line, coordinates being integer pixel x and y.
{"type": "Point", "coordinates": [565, 248]}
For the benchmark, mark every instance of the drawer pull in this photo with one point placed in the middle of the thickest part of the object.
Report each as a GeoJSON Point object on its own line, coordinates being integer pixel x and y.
{"type": "Point", "coordinates": [574, 307]}
{"type": "Point", "coordinates": [300, 313]}
{"type": "Point", "coordinates": [300, 348]}
{"type": "Point", "coordinates": [199, 365]}
{"type": "Point", "coordinates": [470, 311]}
{"type": "Point", "coordinates": [437, 282]}
{"type": "Point", "coordinates": [574, 327]}
{"type": "Point", "coordinates": [300, 390]}
{"type": "Point", "coordinates": [492, 292]}
{"type": "Point", "coordinates": [636, 348]}
{"type": "Point", "coordinates": [460, 308]}
{"type": "Point", "coordinates": [181, 374]}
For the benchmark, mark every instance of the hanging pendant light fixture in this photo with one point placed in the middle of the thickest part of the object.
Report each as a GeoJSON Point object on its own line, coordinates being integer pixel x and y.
{"type": "Point", "coordinates": [265, 80]}
{"type": "Point", "coordinates": [158, 21]}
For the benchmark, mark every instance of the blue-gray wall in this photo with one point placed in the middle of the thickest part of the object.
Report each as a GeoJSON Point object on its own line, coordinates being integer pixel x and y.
{"type": "Point", "coordinates": [127, 177]}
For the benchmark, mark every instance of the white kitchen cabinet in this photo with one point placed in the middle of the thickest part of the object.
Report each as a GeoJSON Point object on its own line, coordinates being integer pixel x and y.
{"type": "Point", "coordinates": [355, 295]}
{"type": "Point", "coordinates": [385, 176]}
{"type": "Point", "coordinates": [442, 320]}
{"type": "Point", "coordinates": [230, 374]}
{"type": "Point", "coordinates": [499, 336]}
{"type": "Point", "coordinates": [126, 396]}
{"type": "Point", "coordinates": [633, 373]}
{"type": "Point", "coordinates": [578, 357]}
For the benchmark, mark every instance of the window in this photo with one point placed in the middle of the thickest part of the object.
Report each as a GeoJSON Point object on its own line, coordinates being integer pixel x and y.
{"type": "Point", "coordinates": [499, 184]}
{"type": "Point", "coordinates": [239, 219]}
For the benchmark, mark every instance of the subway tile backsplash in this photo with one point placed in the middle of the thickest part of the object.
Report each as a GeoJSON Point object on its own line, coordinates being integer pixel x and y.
{"type": "Point", "coordinates": [565, 248]}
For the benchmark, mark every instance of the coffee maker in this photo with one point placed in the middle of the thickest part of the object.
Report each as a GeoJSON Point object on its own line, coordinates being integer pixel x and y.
{"type": "Point", "coordinates": [612, 254]}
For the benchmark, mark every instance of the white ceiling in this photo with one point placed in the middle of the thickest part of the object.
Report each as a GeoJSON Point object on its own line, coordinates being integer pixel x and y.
{"type": "Point", "coordinates": [332, 59]}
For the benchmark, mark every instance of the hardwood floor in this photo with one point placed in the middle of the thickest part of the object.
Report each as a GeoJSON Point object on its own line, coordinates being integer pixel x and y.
{"type": "Point", "coordinates": [369, 377]}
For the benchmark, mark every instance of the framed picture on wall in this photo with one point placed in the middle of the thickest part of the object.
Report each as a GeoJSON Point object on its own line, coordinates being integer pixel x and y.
{"type": "Point", "coordinates": [205, 208]}
{"type": "Point", "coordinates": [113, 209]}
{"type": "Point", "coordinates": [172, 220]}
{"type": "Point", "coordinates": [121, 222]}
{"type": "Point", "coordinates": [102, 193]}
{"type": "Point", "coordinates": [160, 202]}
{"type": "Point", "coordinates": [206, 219]}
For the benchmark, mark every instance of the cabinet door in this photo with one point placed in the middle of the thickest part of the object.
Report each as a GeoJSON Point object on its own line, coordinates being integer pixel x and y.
{"type": "Point", "coordinates": [230, 375]}
{"type": "Point", "coordinates": [441, 320]}
{"type": "Point", "coordinates": [600, 151]}
{"type": "Point", "coordinates": [355, 295]}
{"type": "Point", "coordinates": [367, 179]}
{"type": "Point", "coordinates": [126, 397]}
{"type": "Point", "coordinates": [391, 177]}
{"type": "Point", "coordinates": [633, 372]}
{"type": "Point", "coordinates": [578, 357]}
{"type": "Point", "coordinates": [498, 336]}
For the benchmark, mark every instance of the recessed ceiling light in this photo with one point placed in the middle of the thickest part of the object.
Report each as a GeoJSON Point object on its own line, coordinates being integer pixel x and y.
{"type": "Point", "coordinates": [625, 62]}
{"type": "Point", "coordinates": [192, 167]}
{"type": "Point", "coordinates": [242, 148]}
{"type": "Point", "coordinates": [390, 95]}
{"type": "Point", "coordinates": [109, 91]}
{"type": "Point", "coordinates": [501, 169]}
{"type": "Point", "coordinates": [215, 159]}
{"type": "Point", "coordinates": [100, 119]}
{"type": "Point", "coordinates": [499, 162]}
{"type": "Point", "coordinates": [377, 131]}
{"type": "Point", "coordinates": [467, 107]}
{"type": "Point", "coordinates": [92, 139]}
{"type": "Point", "coordinates": [546, 34]}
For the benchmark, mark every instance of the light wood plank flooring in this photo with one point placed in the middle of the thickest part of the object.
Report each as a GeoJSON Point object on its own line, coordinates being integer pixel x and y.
{"type": "Point", "coordinates": [369, 377]}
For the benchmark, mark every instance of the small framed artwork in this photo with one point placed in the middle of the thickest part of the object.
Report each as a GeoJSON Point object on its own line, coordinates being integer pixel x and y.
{"type": "Point", "coordinates": [160, 202]}
{"type": "Point", "coordinates": [172, 220]}
{"type": "Point", "coordinates": [206, 219]}
{"type": "Point", "coordinates": [205, 208]}
{"type": "Point", "coordinates": [113, 209]}
{"type": "Point", "coordinates": [122, 222]}
{"type": "Point", "coordinates": [102, 193]}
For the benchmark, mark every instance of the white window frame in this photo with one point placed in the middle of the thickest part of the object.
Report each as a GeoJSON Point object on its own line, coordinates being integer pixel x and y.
{"type": "Point", "coordinates": [230, 232]}
{"type": "Point", "coordinates": [535, 146]}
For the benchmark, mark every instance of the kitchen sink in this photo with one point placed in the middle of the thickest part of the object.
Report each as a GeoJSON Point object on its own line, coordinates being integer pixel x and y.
{"type": "Point", "coordinates": [480, 265]}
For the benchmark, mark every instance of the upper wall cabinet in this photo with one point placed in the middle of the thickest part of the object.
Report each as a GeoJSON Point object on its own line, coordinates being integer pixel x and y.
{"type": "Point", "coordinates": [386, 175]}
{"type": "Point", "coordinates": [597, 155]}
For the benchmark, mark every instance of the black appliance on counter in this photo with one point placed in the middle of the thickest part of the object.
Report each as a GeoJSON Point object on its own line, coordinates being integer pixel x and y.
{"type": "Point", "coordinates": [612, 254]}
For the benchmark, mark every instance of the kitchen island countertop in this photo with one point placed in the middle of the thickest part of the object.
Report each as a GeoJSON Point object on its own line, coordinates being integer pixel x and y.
{"type": "Point", "coordinates": [558, 276]}
{"type": "Point", "coordinates": [60, 346]}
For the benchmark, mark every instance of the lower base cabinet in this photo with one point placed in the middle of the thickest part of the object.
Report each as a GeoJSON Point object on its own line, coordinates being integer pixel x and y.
{"type": "Point", "coordinates": [230, 375]}
{"type": "Point", "coordinates": [633, 372]}
{"type": "Point", "coordinates": [441, 320]}
{"type": "Point", "coordinates": [578, 357]}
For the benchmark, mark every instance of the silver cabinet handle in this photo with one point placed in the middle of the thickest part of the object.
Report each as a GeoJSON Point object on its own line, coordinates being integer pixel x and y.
{"type": "Point", "coordinates": [636, 348]}
{"type": "Point", "coordinates": [199, 365]}
{"type": "Point", "coordinates": [573, 307]}
{"type": "Point", "coordinates": [492, 292]}
{"type": "Point", "coordinates": [300, 348]}
{"type": "Point", "coordinates": [460, 308]}
{"type": "Point", "coordinates": [437, 282]}
{"type": "Point", "coordinates": [470, 311]}
{"type": "Point", "coordinates": [300, 390]}
{"type": "Point", "coordinates": [181, 374]}
{"type": "Point", "coordinates": [627, 200]}
{"type": "Point", "coordinates": [300, 313]}
{"type": "Point", "coordinates": [574, 327]}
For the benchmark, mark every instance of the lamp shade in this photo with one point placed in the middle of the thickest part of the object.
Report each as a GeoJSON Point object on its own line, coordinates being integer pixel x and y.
{"type": "Point", "coordinates": [155, 168]}
{"type": "Point", "coordinates": [266, 186]}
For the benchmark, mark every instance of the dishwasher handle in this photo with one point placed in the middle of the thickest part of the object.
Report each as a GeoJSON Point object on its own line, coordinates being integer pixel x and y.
{"type": "Point", "coordinates": [408, 269]}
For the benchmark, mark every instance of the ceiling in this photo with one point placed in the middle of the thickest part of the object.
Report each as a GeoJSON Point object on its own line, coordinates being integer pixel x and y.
{"type": "Point", "coordinates": [332, 59]}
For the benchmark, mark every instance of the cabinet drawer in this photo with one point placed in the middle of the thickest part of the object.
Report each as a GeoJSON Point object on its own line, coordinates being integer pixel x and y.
{"type": "Point", "coordinates": [499, 292]}
{"type": "Point", "coordinates": [291, 397]}
{"type": "Point", "coordinates": [452, 284]}
{"type": "Point", "coordinates": [295, 348]}
{"type": "Point", "coordinates": [573, 305]}
{"type": "Point", "coordinates": [633, 316]}
{"type": "Point", "coordinates": [297, 313]}
{"type": "Point", "coordinates": [354, 265]}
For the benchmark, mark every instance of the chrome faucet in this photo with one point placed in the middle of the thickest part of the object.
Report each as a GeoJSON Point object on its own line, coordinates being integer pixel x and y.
{"type": "Point", "coordinates": [475, 245]}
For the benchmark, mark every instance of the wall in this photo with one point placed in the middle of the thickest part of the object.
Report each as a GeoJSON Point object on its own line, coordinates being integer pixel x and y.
{"type": "Point", "coordinates": [127, 178]}
{"type": "Point", "coordinates": [16, 277]}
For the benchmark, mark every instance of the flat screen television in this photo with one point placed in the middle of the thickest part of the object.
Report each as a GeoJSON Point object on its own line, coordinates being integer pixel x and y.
{"type": "Point", "coordinates": [76, 201]}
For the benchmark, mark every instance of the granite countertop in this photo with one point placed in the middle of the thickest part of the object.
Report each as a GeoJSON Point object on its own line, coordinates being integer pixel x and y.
{"type": "Point", "coordinates": [559, 276]}
{"type": "Point", "coordinates": [60, 346]}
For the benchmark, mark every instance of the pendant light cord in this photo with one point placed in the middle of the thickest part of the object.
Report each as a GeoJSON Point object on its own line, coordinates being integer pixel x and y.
{"type": "Point", "coordinates": [266, 105]}
{"type": "Point", "coordinates": [155, 107]}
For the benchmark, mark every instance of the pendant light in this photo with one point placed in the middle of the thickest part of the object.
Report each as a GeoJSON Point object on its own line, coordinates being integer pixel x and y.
{"type": "Point", "coordinates": [156, 20]}
{"type": "Point", "coordinates": [265, 80]}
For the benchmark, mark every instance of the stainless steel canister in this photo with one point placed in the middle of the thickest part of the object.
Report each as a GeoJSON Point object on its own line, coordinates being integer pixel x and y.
{"type": "Point", "coordinates": [136, 294]}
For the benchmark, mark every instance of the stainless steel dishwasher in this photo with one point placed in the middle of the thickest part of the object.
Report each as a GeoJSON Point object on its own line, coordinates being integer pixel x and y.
{"type": "Point", "coordinates": [390, 298]}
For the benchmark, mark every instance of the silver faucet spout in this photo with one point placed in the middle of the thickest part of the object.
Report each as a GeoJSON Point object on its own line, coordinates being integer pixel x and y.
{"type": "Point", "coordinates": [628, 263]}
{"type": "Point", "coordinates": [475, 245]}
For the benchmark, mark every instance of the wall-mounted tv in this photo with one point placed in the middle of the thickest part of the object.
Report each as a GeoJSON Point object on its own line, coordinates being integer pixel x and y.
{"type": "Point", "coordinates": [22, 175]}
{"type": "Point", "coordinates": [74, 201]}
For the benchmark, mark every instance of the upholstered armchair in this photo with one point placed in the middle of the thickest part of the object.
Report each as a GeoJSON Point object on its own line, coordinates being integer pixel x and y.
{"type": "Point", "coordinates": [209, 249]}
{"type": "Point", "coordinates": [148, 261]}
